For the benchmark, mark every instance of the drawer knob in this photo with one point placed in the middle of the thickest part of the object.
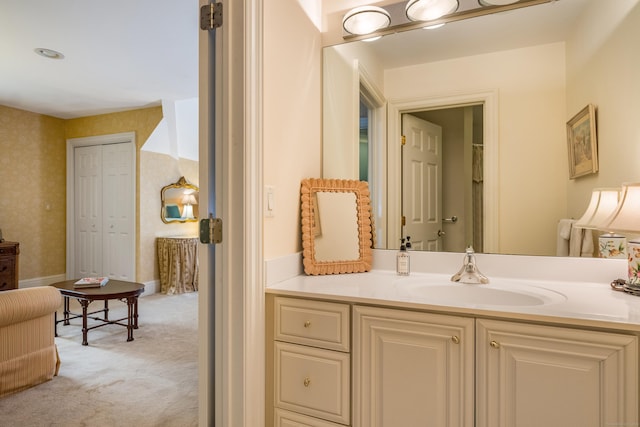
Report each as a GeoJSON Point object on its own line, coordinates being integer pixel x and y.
{"type": "Point", "coordinates": [494, 344]}
{"type": "Point", "coordinates": [455, 339]}
{"type": "Point", "coordinates": [307, 324]}
{"type": "Point", "coordinates": [306, 382]}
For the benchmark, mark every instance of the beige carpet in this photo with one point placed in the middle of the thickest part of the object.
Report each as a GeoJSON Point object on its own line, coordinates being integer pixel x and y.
{"type": "Point", "coordinates": [151, 381]}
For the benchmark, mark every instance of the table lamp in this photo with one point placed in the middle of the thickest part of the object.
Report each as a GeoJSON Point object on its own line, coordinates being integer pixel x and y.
{"type": "Point", "coordinates": [188, 200]}
{"type": "Point", "coordinates": [603, 203]}
{"type": "Point", "coordinates": [626, 219]}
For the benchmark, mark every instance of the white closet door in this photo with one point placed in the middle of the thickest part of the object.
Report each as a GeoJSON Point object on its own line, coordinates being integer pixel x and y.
{"type": "Point", "coordinates": [104, 211]}
{"type": "Point", "coordinates": [88, 210]}
{"type": "Point", "coordinates": [118, 211]}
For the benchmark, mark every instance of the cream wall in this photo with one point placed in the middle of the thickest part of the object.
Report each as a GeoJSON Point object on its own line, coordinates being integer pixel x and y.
{"type": "Point", "coordinates": [156, 171]}
{"type": "Point", "coordinates": [530, 83]}
{"type": "Point", "coordinates": [292, 118]}
{"type": "Point", "coordinates": [603, 70]}
{"type": "Point", "coordinates": [32, 190]}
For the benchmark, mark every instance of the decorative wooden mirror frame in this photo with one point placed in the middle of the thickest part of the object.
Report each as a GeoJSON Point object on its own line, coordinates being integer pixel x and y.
{"type": "Point", "coordinates": [170, 197]}
{"type": "Point", "coordinates": [310, 226]}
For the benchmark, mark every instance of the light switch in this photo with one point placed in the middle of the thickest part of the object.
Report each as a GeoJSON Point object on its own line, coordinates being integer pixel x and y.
{"type": "Point", "coordinates": [269, 200]}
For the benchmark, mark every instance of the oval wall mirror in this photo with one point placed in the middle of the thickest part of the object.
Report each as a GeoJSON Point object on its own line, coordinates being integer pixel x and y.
{"type": "Point", "coordinates": [336, 226]}
{"type": "Point", "coordinates": [179, 202]}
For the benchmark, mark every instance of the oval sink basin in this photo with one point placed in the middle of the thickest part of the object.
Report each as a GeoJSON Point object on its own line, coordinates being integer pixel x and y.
{"type": "Point", "coordinates": [485, 295]}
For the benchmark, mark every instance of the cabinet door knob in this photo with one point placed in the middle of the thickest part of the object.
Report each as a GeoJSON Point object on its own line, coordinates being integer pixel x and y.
{"type": "Point", "coordinates": [455, 339]}
{"type": "Point", "coordinates": [307, 324]}
{"type": "Point", "coordinates": [494, 344]}
{"type": "Point", "coordinates": [306, 382]}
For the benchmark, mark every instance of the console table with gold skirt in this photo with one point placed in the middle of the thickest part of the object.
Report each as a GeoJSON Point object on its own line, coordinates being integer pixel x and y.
{"type": "Point", "coordinates": [178, 264]}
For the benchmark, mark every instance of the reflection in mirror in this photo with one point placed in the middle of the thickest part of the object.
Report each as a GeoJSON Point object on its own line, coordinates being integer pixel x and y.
{"type": "Point", "coordinates": [336, 226]}
{"type": "Point", "coordinates": [179, 202]}
{"type": "Point", "coordinates": [524, 87]}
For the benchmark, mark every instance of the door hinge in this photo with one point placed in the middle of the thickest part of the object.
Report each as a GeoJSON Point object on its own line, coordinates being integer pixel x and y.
{"type": "Point", "coordinates": [403, 141]}
{"type": "Point", "coordinates": [211, 230]}
{"type": "Point", "coordinates": [404, 220]}
{"type": "Point", "coordinates": [211, 16]}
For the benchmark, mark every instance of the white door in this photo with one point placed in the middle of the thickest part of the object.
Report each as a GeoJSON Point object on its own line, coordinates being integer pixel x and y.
{"type": "Point", "coordinates": [88, 211]}
{"type": "Point", "coordinates": [118, 212]}
{"type": "Point", "coordinates": [104, 211]}
{"type": "Point", "coordinates": [422, 183]}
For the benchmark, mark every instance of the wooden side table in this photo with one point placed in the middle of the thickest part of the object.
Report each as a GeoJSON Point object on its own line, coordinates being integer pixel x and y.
{"type": "Point", "coordinates": [9, 252]}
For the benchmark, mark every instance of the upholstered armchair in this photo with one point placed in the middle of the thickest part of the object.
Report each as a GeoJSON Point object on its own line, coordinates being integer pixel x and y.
{"type": "Point", "coordinates": [28, 354]}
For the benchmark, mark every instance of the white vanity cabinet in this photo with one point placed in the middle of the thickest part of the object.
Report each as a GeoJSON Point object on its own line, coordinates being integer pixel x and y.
{"type": "Point", "coordinates": [312, 364]}
{"type": "Point", "coordinates": [530, 375]}
{"type": "Point", "coordinates": [412, 368]}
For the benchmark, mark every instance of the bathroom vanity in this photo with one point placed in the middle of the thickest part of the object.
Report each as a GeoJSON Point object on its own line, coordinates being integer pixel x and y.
{"type": "Point", "coordinates": [374, 349]}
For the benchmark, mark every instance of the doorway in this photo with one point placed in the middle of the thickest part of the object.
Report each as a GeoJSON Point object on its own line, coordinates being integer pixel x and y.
{"type": "Point", "coordinates": [101, 211]}
{"type": "Point", "coordinates": [461, 177]}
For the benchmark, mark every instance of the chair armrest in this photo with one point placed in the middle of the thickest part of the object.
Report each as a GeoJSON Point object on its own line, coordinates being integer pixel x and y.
{"type": "Point", "coordinates": [29, 303]}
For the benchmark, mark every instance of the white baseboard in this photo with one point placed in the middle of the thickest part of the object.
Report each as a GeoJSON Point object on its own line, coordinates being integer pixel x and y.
{"type": "Point", "coordinates": [41, 281]}
{"type": "Point", "coordinates": [150, 287]}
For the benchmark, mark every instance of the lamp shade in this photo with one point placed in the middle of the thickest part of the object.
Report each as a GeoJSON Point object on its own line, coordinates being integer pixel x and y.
{"type": "Point", "coordinates": [626, 217]}
{"type": "Point", "coordinates": [603, 203]}
{"type": "Point", "coordinates": [428, 10]}
{"type": "Point", "coordinates": [189, 199]}
{"type": "Point", "coordinates": [366, 20]}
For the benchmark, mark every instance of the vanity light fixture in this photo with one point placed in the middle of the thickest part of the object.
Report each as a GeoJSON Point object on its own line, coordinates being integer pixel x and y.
{"type": "Point", "coordinates": [366, 20]}
{"type": "Point", "coordinates": [496, 2]}
{"type": "Point", "coordinates": [48, 53]}
{"type": "Point", "coordinates": [428, 10]}
{"type": "Point", "coordinates": [603, 203]}
{"type": "Point", "coordinates": [626, 219]}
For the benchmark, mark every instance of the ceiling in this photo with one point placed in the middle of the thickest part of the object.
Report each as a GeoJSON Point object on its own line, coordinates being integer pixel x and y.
{"type": "Point", "coordinates": [127, 54]}
{"type": "Point", "coordinates": [119, 54]}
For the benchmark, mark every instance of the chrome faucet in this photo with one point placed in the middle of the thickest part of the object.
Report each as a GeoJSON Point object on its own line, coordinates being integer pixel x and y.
{"type": "Point", "coordinates": [469, 272]}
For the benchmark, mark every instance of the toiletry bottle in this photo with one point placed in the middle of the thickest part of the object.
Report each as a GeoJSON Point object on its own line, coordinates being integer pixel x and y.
{"type": "Point", "coordinates": [402, 260]}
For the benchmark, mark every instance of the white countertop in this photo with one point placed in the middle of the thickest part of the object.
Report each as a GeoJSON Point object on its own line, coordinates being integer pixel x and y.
{"type": "Point", "coordinates": [563, 302]}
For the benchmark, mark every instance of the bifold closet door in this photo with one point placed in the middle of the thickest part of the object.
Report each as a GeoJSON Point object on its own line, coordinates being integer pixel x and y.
{"type": "Point", "coordinates": [104, 211]}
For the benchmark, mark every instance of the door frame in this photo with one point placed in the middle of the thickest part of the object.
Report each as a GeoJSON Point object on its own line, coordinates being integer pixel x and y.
{"type": "Point", "coordinates": [72, 143]}
{"type": "Point", "coordinates": [396, 108]}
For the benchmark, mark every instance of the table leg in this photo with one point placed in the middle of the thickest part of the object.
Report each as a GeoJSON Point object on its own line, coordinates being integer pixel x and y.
{"type": "Point", "coordinates": [106, 309]}
{"type": "Point", "coordinates": [66, 311]}
{"type": "Point", "coordinates": [85, 305]}
{"type": "Point", "coordinates": [55, 323]}
{"type": "Point", "coordinates": [130, 311]}
{"type": "Point", "coordinates": [135, 312]}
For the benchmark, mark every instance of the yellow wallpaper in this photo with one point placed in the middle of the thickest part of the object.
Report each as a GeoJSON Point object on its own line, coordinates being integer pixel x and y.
{"type": "Point", "coordinates": [143, 122]}
{"type": "Point", "coordinates": [32, 189]}
{"type": "Point", "coordinates": [33, 180]}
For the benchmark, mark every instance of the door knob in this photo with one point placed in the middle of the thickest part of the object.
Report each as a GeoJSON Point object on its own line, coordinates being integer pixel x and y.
{"type": "Point", "coordinates": [441, 233]}
{"type": "Point", "coordinates": [453, 219]}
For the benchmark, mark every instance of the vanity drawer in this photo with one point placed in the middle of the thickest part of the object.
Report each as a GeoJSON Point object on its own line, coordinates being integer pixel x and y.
{"type": "Point", "coordinates": [291, 419]}
{"type": "Point", "coordinates": [314, 323]}
{"type": "Point", "coordinates": [313, 381]}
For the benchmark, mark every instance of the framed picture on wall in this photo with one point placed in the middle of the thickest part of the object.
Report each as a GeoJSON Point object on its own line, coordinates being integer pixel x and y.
{"type": "Point", "coordinates": [582, 143]}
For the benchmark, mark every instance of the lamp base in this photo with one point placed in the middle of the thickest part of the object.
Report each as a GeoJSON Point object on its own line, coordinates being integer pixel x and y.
{"type": "Point", "coordinates": [634, 261]}
{"type": "Point", "coordinates": [612, 246]}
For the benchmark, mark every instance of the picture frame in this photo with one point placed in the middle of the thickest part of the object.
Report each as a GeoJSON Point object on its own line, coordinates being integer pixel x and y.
{"type": "Point", "coordinates": [582, 143]}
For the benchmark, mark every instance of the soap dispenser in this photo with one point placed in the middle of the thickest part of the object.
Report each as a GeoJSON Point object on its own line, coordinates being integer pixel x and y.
{"type": "Point", "coordinates": [402, 259]}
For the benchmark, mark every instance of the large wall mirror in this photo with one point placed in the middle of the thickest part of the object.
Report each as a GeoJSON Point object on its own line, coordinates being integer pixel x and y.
{"type": "Point", "coordinates": [499, 89]}
{"type": "Point", "coordinates": [336, 226]}
{"type": "Point", "coordinates": [179, 202]}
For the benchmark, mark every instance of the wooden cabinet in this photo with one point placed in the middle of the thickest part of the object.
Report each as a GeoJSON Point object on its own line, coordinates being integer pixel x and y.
{"type": "Point", "coordinates": [312, 364]}
{"type": "Point", "coordinates": [412, 368]}
{"type": "Point", "coordinates": [529, 375]}
{"type": "Point", "coordinates": [9, 252]}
